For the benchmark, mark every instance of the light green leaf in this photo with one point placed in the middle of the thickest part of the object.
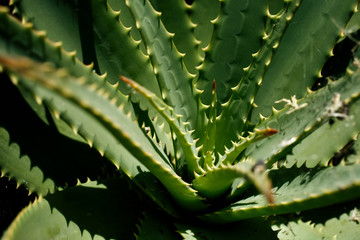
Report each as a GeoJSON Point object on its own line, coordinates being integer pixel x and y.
{"type": "Point", "coordinates": [16, 166]}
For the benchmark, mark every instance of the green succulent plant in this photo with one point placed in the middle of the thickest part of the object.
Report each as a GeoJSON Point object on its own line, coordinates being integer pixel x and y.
{"type": "Point", "coordinates": [178, 103]}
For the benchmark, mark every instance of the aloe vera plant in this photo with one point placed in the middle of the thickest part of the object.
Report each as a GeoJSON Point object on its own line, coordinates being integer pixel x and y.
{"type": "Point", "coordinates": [150, 119]}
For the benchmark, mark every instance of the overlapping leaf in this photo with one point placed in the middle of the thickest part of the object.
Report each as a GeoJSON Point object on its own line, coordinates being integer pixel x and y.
{"type": "Point", "coordinates": [116, 133]}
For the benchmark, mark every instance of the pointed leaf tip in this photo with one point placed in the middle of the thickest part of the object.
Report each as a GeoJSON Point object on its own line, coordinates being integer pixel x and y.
{"type": "Point", "coordinates": [126, 80]}
{"type": "Point", "coordinates": [266, 132]}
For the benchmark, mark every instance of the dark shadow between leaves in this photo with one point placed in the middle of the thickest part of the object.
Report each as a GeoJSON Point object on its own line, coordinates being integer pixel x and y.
{"type": "Point", "coordinates": [110, 212]}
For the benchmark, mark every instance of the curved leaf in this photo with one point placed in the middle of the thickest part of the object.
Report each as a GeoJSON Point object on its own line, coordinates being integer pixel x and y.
{"type": "Point", "coordinates": [306, 191]}
{"type": "Point", "coordinates": [180, 129]}
{"type": "Point", "coordinates": [37, 46]}
{"type": "Point", "coordinates": [48, 223]}
{"type": "Point", "coordinates": [99, 106]}
{"type": "Point", "coordinates": [75, 213]}
{"type": "Point", "coordinates": [119, 54]}
{"type": "Point", "coordinates": [60, 158]}
{"type": "Point", "coordinates": [217, 181]}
